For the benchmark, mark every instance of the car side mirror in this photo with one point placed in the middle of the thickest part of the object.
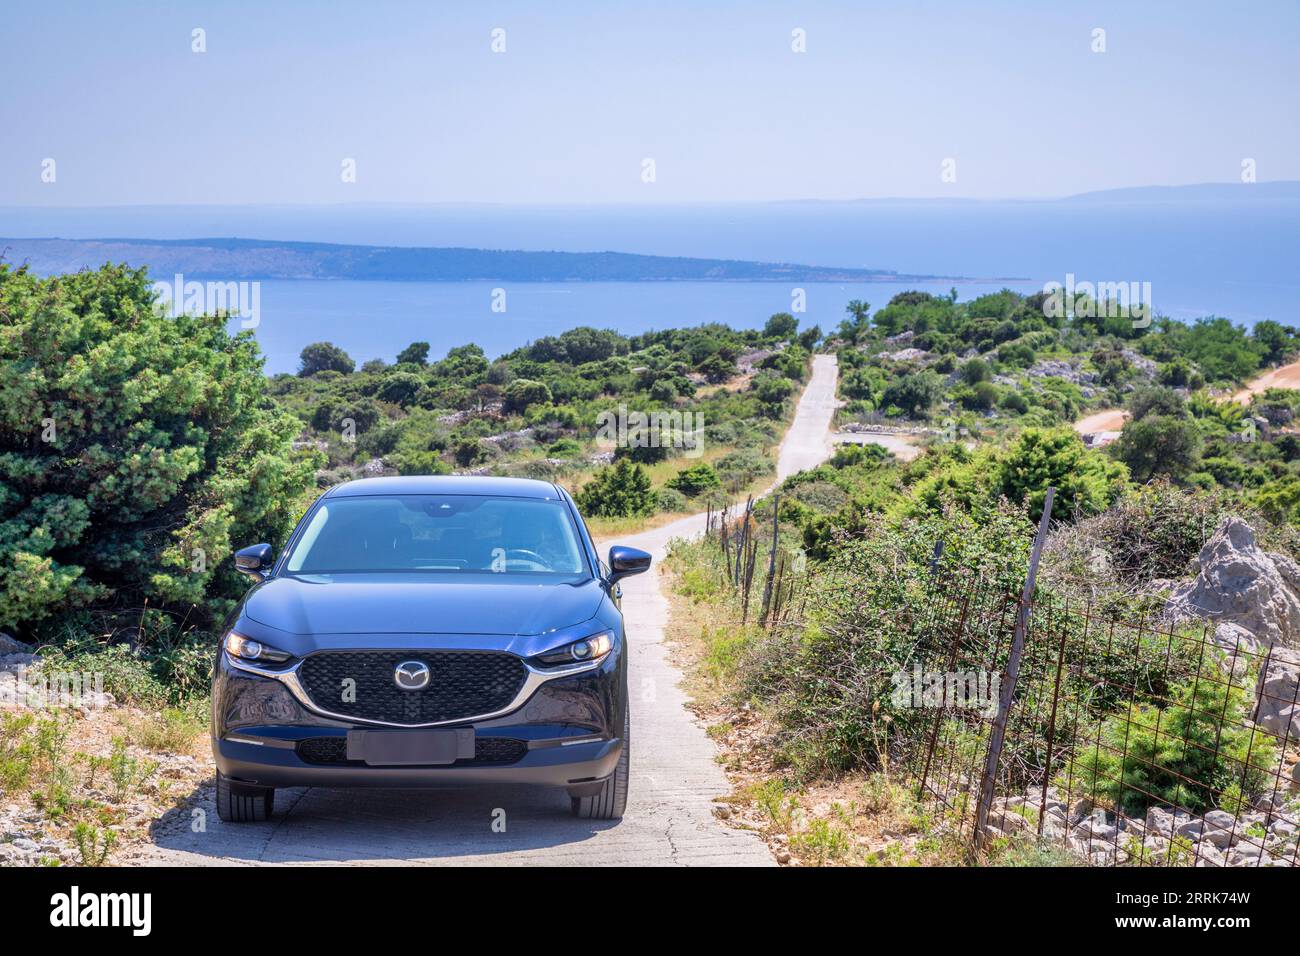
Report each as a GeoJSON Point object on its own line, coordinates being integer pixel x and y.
{"type": "Point", "coordinates": [255, 561]}
{"type": "Point", "coordinates": [626, 561]}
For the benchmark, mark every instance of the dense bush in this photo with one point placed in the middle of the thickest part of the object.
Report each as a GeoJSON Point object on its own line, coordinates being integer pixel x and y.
{"type": "Point", "coordinates": [1085, 481]}
{"type": "Point", "coordinates": [867, 606]}
{"type": "Point", "coordinates": [620, 491]}
{"type": "Point", "coordinates": [695, 480]}
{"type": "Point", "coordinates": [1186, 752]}
{"type": "Point", "coordinates": [136, 450]}
{"type": "Point", "coordinates": [325, 357]}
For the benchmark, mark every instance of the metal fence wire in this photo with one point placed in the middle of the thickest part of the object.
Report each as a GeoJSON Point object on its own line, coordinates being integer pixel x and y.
{"type": "Point", "coordinates": [1126, 742]}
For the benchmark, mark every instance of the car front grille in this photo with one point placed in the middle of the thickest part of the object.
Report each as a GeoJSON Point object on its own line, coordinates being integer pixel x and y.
{"type": "Point", "coordinates": [462, 684]}
{"type": "Point", "coordinates": [499, 750]}
{"type": "Point", "coordinates": [324, 750]}
{"type": "Point", "coordinates": [487, 750]}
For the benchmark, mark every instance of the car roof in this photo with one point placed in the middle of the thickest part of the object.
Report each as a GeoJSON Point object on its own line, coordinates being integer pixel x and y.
{"type": "Point", "coordinates": [446, 485]}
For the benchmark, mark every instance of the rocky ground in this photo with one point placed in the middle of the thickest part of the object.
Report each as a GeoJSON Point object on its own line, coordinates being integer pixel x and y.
{"type": "Point", "coordinates": [82, 782]}
{"type": "Point", "coordinates": [1264, 836]}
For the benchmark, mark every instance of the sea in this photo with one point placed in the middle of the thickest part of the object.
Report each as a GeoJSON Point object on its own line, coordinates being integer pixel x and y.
{"type": "Point", "coordinates": [1226, 253]}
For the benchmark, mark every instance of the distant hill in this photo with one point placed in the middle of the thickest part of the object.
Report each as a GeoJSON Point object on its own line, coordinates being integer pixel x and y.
{"type": "Point", "coordinates": [259, 259]}
{"type": "Point", "coordinates": [1198, 192]}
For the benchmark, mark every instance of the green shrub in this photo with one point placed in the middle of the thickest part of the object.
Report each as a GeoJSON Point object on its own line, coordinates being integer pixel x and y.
{"type": "Point", "coordinates": [564, 448]}
{"type": "Point", "coordinates": [1085, 481]}
{"type": "Point", "coordinates": [324, 357]}
{"type": "Point", "coordinates": [620, 491]}
{"type": "Point", "coordinates": [139, 451]}
{"type": "Point", "coordinates": [1184, 754]}
{"type": "Point", "coordinates": [856, 456]}
{"type": "Point", "coordinates": [1159, 446]}
{"type": "Point", "coordinates": [694, 480]}
{"type": "Point", "coordinates": [739, 468]}
{"type": "Point", "coordinates": [523, 392]}
{"type": "Point", "coordinates": [126, 772]}
{"type": "Point", "coordinates": [670, 500]}
{"type": "Point", "coordinates": [167, 664]}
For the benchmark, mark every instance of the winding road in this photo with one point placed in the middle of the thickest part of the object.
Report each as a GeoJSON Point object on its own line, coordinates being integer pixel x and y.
{"type": "Point", "coordinates": [1107, 423]}
{"type": "Point", "coordinates": [675, 776]}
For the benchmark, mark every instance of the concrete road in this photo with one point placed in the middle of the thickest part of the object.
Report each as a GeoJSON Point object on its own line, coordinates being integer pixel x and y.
{"type": "Point", "coordinates": [675, 776]}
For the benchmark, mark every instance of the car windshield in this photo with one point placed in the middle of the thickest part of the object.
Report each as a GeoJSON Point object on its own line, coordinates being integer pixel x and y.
{"type": "Point", "coordinates": [438, 533]}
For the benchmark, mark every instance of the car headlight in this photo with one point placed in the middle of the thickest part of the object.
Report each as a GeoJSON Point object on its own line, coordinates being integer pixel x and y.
{"type": "Point", "coordinates": [579, 652]}
{"type": "Point", "coordinates": [247, 649]}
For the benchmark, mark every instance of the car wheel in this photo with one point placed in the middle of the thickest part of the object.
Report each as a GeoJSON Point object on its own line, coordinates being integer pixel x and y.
{"type": "Point", "coordinates": [611, 801]}
{"type": "Point", "coordinates": [243, 803]}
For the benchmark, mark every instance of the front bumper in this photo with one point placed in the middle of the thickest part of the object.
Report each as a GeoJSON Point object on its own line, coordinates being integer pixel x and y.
{"type": "Point", "coordinates": [270, 762]}
{"type": "Point", "coordinates": [568, 732]}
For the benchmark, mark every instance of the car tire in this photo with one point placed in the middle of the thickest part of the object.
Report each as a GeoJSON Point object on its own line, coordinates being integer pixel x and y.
{"type": "Point", "coordinates": [611, 801]}
{"type": "Point", "coordinates": [243, 803]}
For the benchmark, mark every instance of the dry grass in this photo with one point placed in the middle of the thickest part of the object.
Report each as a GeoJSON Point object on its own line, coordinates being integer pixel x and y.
{"type": "Point", "coordinates": [91, 783]}
{"type": "Point", "coordinates": [181, 730]}
{"type": "Point", "coordinates": [852, 820]}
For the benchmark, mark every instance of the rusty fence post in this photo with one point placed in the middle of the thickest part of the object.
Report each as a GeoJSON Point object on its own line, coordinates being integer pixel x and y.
{"type": "Point", "coordinates": [998, 735]}
{"type": "Point", "coordinates": [771, 561]}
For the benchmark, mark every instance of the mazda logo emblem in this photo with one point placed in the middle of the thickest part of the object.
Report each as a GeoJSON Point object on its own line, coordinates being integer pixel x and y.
{"type": "Point", "coordinates": [411, 675]}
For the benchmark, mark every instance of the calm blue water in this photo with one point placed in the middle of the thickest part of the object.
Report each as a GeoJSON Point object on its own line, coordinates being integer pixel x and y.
{"type": "Point", "coordinates": [1223, 255]}
{"type": "Point", "coordinates": [378, 319]}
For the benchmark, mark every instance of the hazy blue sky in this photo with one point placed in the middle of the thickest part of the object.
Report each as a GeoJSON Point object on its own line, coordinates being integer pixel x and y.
{"type": "Point", "coordinates": [586, 91]}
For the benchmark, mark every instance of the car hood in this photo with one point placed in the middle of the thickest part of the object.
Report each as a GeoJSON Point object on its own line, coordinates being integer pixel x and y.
{"type": "Point", "coordinates": [422, 604]}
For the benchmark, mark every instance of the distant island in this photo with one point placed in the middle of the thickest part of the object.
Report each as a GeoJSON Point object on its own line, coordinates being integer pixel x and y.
{"type": "Point", "coordinates": [261, 259]}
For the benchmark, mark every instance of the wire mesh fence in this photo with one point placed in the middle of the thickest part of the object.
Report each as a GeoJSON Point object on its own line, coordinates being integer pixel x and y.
{"type": "Point", "coordinates": [1118, 742]}
{"type": "Point", "coordinates": [1127, 742]}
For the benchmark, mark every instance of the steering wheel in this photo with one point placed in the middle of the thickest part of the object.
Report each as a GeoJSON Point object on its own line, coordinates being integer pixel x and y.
{"type": "Point", "coordinates": [530, 556]}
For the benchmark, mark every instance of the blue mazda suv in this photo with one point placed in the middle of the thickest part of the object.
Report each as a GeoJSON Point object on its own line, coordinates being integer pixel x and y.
{"type": "Point", "coordinates": [424, 631]}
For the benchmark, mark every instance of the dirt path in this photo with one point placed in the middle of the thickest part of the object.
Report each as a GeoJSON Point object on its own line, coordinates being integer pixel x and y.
{"type": "Point", "coordinates": [675, 776]}
{"type": "Point", "coordinates": [902, 444]}
{"type": "Point", "coordinates": [1287, 376]}
{"type": "Point", "coordinates": [1110, 421]}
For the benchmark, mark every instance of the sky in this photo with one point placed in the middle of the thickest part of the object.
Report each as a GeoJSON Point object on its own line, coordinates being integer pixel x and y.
{"type": "Point", "coordinates": [1006, 99]}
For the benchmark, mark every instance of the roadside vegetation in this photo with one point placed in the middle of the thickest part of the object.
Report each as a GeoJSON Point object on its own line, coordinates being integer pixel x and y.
{"type": "Point", "coordinates": [137, 451]}
{"type": "Point", "coordinates": [993, 387]}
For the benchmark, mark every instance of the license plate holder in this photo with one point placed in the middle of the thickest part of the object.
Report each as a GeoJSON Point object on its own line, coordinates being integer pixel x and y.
{"type": "Point", "coordinates": [409, 748]}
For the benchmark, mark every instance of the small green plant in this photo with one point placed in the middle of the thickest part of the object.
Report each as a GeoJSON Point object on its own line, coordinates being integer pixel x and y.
{"type": "Point", "coordinates": [1030, 851]}
{"type": "Point", "coordinates": [695, 480]}
{"type": "Point", "coordinates": [771, 797]}
{"type": "Point", "coordinates": [15, 751]}
{"type": "Point", "coordinates": [51, 739]}
{"type": "Point", "coordinates": [821, 842]}
{"type": "Point", "coordinates": [1232, 799]}
{"type": "Point", "coordinates": [54, 792]}
{"type": "Point", "coordinates": [1181, 754]}
{"type": "Point", "coordinates": [127, 772]}
{"type": "Point", "coordinates": [719, 731]}
{"type": "Point", "coordinates": [174, 729]}
{"type": "Point", "coordinates": [33, 757]}
{"type": "Point", "coordinates": [95, 764]}
{"type": "Point", "coordinates": [881, 793]}
{"type": "Point", "coordinates": [93, 843]}
{"type": "Point", "coordinates": [1182, 852]}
